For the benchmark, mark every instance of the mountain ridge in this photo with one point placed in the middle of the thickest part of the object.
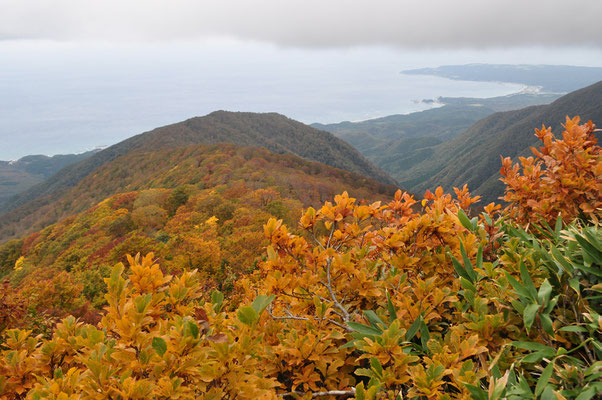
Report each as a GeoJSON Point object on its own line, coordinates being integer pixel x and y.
{"type": "Point", "coordinates": [474, 156]}
{"type": "Point", "coordinates": [19, 175]}
{"type": "Point", "coordinates": [272, 131]}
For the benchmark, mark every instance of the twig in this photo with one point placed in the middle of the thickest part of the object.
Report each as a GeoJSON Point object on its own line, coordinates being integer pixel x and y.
{"type": "Point", "coordinates": [349, 392]}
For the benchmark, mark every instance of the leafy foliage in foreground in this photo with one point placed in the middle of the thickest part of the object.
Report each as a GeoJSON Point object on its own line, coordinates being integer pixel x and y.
{"type": "Point", "coordinates": [565, 179]}
{"type": "Point", "coordinates": [380, 301]}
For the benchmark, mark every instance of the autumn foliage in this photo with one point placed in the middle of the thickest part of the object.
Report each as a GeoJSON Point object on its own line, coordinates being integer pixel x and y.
{"type": "Point", "coordinates": [406, 298]}
{"type": "Point", "coordinates": [564, 178]}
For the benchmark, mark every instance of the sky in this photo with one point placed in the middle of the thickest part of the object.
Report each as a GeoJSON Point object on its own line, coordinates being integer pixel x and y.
{"type": "Point", "coordinates": [77, 74]}
{"type": "Point", "coordinates": [312, 23]}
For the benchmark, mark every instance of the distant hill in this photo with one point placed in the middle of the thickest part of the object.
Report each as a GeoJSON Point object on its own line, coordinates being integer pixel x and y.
{"type": "Point", "coordinates": [18, 176]}
{"type": "Point", "coordinates": [550, 78]}
{"type": "Point", "coordinates": [474, 156]}
{"type": "Point", "coordinates": [272, 131]}
{"type": "Point", "coordinates": [397, 142]}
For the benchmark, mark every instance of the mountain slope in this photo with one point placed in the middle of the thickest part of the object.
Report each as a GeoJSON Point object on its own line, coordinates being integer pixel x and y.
{"type": "Point", "coordinates": [474, 156]}
{"type": "Point", "coordinates": [556, 78]}
{"type": "Point", "coordinates": [200, 165]}
{"type": "Point", "coordinates": [272, 131]}
{"type": "Point", "coordinates": [397, 142]}
{"type": "Point", "coordinates": [198, 206]}
{"type": "Point", "coordinates": [18, 176]}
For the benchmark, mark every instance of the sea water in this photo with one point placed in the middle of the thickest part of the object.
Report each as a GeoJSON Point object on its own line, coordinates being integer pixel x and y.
{"type": "Point", "coordinates": [66, 98]}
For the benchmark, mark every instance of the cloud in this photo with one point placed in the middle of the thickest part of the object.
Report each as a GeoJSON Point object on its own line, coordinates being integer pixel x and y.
{"type": "Point", "coordinates": [311, 23]}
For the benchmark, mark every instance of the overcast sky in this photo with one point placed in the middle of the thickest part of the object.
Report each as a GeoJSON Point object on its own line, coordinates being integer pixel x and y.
{"type": "Point", "coordinates": [75, 74]}
{"type": "Point", "coordinates": [312, 23]}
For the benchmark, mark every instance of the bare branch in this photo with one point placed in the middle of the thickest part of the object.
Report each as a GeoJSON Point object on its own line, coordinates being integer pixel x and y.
{"type": "Point", "coordinates": [349, 392]}
{"type": "Point", "coordinates": [331, 292]}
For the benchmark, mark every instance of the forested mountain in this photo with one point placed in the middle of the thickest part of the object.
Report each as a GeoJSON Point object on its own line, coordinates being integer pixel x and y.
{"type": "Point", "coordinates": [18, 176]}
{"type": "Point", "coordinates": [462, 141]}
{"type": "Point", "coordinates": [272, 131]}
{"type": "Point", "coordinates": [474, 156]}
{"type": "Point", "coordinates": [397, 142]}
{"type": "Point", "coordinates": [551, 78]}
{"type": "Point", "coordinates": [212, 203]}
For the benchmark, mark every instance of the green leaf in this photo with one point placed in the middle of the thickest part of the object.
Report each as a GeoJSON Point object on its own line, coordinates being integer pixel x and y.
{"type": "Point", "coordinates": [467, 285]}
{"type": "Point", "coordinates": [587, 394]}
{"type": "Point", "coordinates": [360, 392]}
{"type": "Point", "coordinates": [592, 237]}
{"type": "Point", "coordinates": [536, 357]}
{"type": "Point", "coordinates": [574, 284]}
{"type": "Point", "coordinates": [159, 346]}
{"type": "Point", "coordinates": [558, 226]}
{"type": "Point", "coordinates": [487, 219]}
{"type": "Point", "coordinates": [566, 265]}
{"type": "Point", "coordinates": [424, 334]}
{"type": "Point", "coordinates": [467, 264]}
{"type": "Point", "coordinates": [261, 302]}
{"type": "Point", "coordinates": [464, 220]}
{"type": "Point", "coordinates": [526, 278]}
{"type": "Point", "coordinates": [594, 253]}
{"type": "Point", "coordinates": [479, 264]}
{"type": "Point", "coordinates": [477, 393]}
{"type": "Point", "coordinates": [373, 319]}
{"type": "Point", "coordinates": [364, 372]}
{"type": "Point", "coordinates": [545, 290]}
{"type": "Point", "coordinates": [460, 269]}
{"type": "Point", "coordinates": [474, 222]}
{"type": "Point", "coordinates": [517, 286]}
{"type": "Point", "coordinates": [543, 380]}
{"type": "Point", "coordinates": [247, 315]}
{"type": "Point", "coordinates": [365, 329]}
{"type": "Point", "coordinates": [376, 366]}
{"type": "Point", "coordinates": [217, 298]}
{"type": "Point", "coordinates": [193, 329]}
{"type": "Point", "coordinates": [546, 323]}
{"type": "Point", "coordinates": [573, 328]}
{"type": "Point", "coordinates": [548, 394]}
{"type": "Point", "coordinates": [413, 328]}
{"type": "Point", "coordinates": [533, 346]}
{"type": "Point", "coordinates": [142, 302]}
{"type": "Point", "coordinates": [391, 308]}
{"type": "Point", "coordinates": [529, 315]}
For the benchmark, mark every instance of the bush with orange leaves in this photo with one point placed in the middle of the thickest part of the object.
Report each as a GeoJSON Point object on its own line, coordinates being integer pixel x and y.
{"type": "Point", "coordinates": [154, 342]}
{"type": "Point", "coordinates": [371, 301]}
{"type": "Point", "coordinates": [388, 265]}
{"type": "Point", "coordinates": [564, 178]}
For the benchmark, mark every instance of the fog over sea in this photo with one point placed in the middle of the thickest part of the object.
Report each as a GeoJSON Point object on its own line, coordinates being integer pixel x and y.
{"type": "Point", "coordinates": [68, 98]}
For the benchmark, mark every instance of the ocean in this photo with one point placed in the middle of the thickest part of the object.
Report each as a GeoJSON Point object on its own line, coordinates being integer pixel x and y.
{"type": "Point", "coordinates": [58, 98]}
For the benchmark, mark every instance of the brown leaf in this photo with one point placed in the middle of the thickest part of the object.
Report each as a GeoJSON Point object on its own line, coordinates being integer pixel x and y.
{"type": "Point", "coordinates": [218, 338]}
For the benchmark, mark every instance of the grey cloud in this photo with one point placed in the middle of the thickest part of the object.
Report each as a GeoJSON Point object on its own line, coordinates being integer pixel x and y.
{"type": "Point", "coordinates": [311, 23]}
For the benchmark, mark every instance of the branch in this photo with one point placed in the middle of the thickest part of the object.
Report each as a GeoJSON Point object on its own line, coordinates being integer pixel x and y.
{"type": "Point", "coordinates": [331, 292]}
{"type": "Point", "coordinates": [289, 315]}
{"type": "Point", "coordinates": [349, 392]}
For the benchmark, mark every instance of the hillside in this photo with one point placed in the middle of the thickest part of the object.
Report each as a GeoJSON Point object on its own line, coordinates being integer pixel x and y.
{"type": "Point", "coordinates": [233, 291]}
{"type": "Point", "coordinates": [397, 142]}
{"type": "Point", "coordinates": [551, 78]}
{"type": "Point", "coordinates": [210, 211]}
{"type": "Point", "coordinates": [201, 165]}
{"type": "Point", "coordinates": [274, 132]}
{"type": "Point", "coordinates": [18, 176]}
{"type": "Point", "coordinates": [474, 156]}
